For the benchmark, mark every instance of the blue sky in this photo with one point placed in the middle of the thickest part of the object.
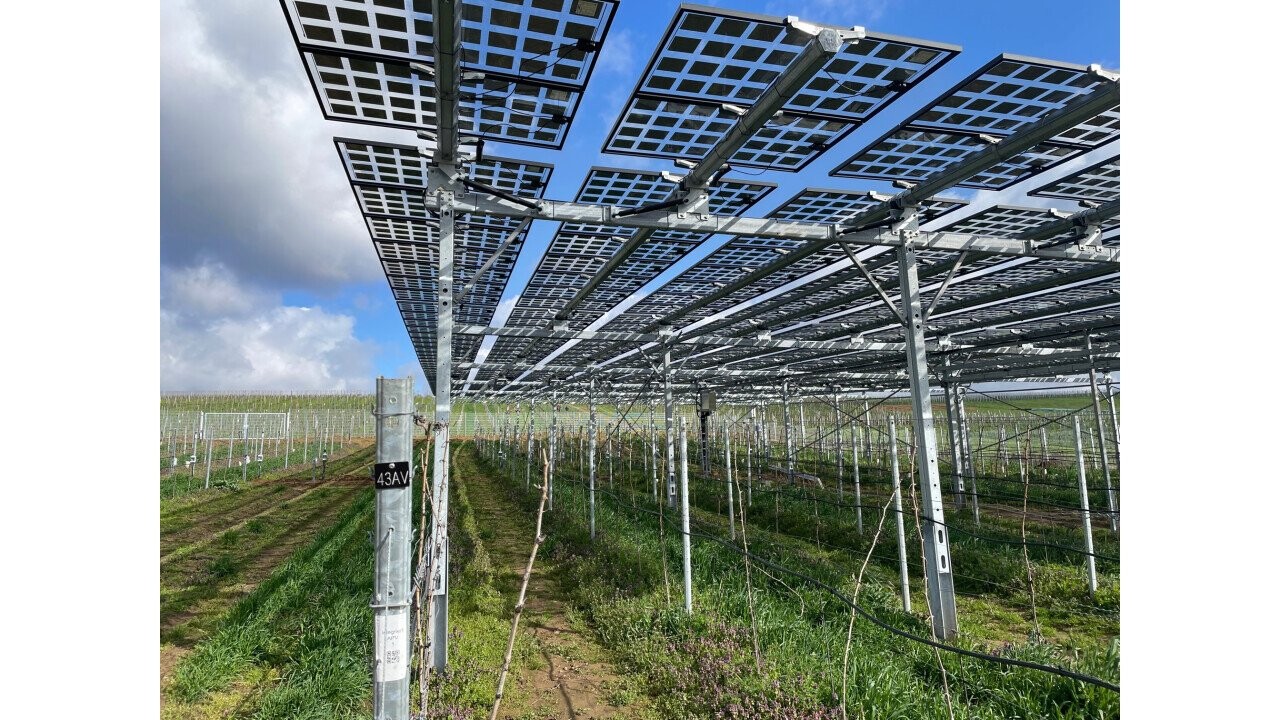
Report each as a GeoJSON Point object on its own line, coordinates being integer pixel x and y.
{"type": "Point", "coordinates": [268, 278]}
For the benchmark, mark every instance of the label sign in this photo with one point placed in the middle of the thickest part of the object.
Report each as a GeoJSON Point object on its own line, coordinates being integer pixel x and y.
{"type": "Point", "coordinates": [391, 475]}
{"type": "Point", "coordinates": [391, 646]}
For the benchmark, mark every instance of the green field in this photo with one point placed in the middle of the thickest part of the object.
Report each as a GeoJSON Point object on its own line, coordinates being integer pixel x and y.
{"type": "Point", "coordinates": [265, 587]}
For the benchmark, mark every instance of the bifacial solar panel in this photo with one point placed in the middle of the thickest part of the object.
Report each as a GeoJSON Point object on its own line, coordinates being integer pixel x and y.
{"type": "Point", "coordinates": [913, 154]}
{"type": "Point", "coordinates": [536, 40]}
{"type": "Point", "coordinates": [388, 181]}
{"type": "Point", "coordinates": [718, 56]}
{"type": "Point", "coordinates": [711, 57]}
{"type": "Point", "coordinates": [1011, 92]}
{"type": "Point", "coordinates": [1013, 221]}
{"type": "Point", "coordinates": [380, 92]}
{"type": "Point", "coordinates": [380, 163]}
{"type": "Point", "coordinates": [821, 205]}
{"type": "Point", "coordinates": [1006, 95]}
{"type": "Point", "coordinates": [1004, 221]}
{"type": "Point", "coordinates": [1099, 182]}
{"type": "Point", "coordinates": [577, 252]}
{"type": "Point", "coordinates": [524, 62]}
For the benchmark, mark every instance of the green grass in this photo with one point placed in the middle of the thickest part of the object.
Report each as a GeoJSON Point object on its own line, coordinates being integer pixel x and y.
{"type": "Point", "coordinates": [299, 645]}
{"type": "Point", "coordinates": [694, 665]}
{"type": "Point", "coordinates": [309, 621]}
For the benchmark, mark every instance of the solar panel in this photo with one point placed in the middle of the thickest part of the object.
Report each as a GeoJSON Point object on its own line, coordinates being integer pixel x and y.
{"type": "Point", "coordinates": [535, 40]}
{"type": "Point", "coordinates": [823, 205]}
{"type": "Point", "coordinates": [1099, 182]}
{"type": "Point", "coordinates": [913, 154]}
{"type": "Point", "coordinates": [710, 56]}
{"type": "Point", "coordinates": [379, 92]}
{"type": "Point", "coordinates": [525, 63]}
{"type": "Point", "coordinates": [380, 163]}
{"type": "Point", "coordinates": [388, 181]}
{"type": "Point", "coordinates": [1004, 96]}
{"type": "Point", "coordinates": [1011, 92]}
{"type": "Point", "coordinates": [674, 129]}
{"type": "Point", "coordinates": [1003, 221]}
{"type": "Point", "coordinates": [1013, 221]}
{"type": "Point", "coordinates": [721, 56]}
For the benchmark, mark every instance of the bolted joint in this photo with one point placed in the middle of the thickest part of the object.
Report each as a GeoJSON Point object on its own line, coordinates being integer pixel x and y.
{"type": "Point", "coordinates": [1090, 237]}
{"type": "Point", "coordinates": [907, 225]}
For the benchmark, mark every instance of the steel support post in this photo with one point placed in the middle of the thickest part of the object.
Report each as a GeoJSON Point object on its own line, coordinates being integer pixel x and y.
{"type": "Point", "coordinates": [704, 449]}
{"type": "Point", "coordinates": [208, 459]}
{"type": "Point", "coordinates": [684, 518]}
{"type": "Point", "coordinates": [937, 550]}
{"type": "Point", "coordinates": [393, 533]}
{"type": "Point", "coordinates": [244, 466]}
{"type": "Point", "coordinates": [1003, 452]}
{"type": "Point", "coordinates": [904, 576]}
{"type": "Point", "coordinates": [866, 428]}
{"type": "Point", "coordinates": [288, 441]}
{"type": "Point", "coordinates": [966, 453]}
{"type": "Point", "coordinates": [835, 400]}
{"type": "Point", "coordinates": [728, 479]}
{"type": "Point", "coordinates": [552, 448]}
{"type": "Point", "coordinates": [591, 456]}
{"type": "Point", "coordinates": [528, 451]}
{"type": "Point", "coordinates": [857, 475]}
{"type": "Point", "coordinates": [786, 430]}
{"type": "Point", "coordinates": [439, 632]}
{"type": "Point", "coordinates": [953, 436]}
{"type": "Point", "coordinates": [1084, 511]}
{"type": "Point", "coordinates": [653, 453]}
{"type": "Point", "coordinates": [669, 419]}
{"type": "Point", "coordinates": [1102, 444]}
{"type": "Point", "coordinates": [753, 434]}
{"type": "Point", "coordinates": [804, 430]}
{"type": "Point", "coordinates": [1115, 420]}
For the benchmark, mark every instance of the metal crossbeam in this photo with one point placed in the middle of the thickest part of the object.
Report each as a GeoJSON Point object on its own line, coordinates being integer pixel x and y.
{"type": "Point", "coordinates": [816, 235]}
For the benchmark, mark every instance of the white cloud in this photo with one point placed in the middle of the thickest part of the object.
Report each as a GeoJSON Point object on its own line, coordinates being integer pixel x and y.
{"type": "Point", "coordinates": [249, 174]}
{"type": "Point", "coordinates": [209, 290]}
{"type": "Point", "coordinates": [220, 335]}
{"type": "Point", "coordinates": [618, 55]}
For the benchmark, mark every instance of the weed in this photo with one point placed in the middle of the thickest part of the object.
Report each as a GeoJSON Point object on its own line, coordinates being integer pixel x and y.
{"type": "Point", "coordinates": [222, 566]}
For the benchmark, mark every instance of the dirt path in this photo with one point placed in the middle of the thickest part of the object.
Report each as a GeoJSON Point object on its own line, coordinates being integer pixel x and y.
{"type": "Point", "coordinates": [578, 681]}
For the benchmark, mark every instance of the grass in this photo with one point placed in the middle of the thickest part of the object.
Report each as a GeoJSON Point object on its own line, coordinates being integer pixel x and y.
{"type": "Point", "coordinates": [307, 628]}
{"type": "Point", "coordinates": [701, 665]}
{"type": "Point", "coordinates": [299, 645]}
{"type": "Point", "coordinates": [185, 482]}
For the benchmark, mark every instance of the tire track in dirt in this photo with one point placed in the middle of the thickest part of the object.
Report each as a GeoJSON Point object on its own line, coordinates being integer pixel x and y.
{"type": "Point", "coordinates": [192, 523]}
{"type": "Point", "coordinates": [578, 678]}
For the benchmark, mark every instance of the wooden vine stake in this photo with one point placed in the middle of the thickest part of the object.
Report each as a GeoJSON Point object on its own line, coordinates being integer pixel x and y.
{"type": "Point", "coordinates": [524, 586]}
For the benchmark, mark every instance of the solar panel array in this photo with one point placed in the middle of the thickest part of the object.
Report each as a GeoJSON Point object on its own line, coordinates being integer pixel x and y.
{"type": "Point", "coordinates": [577, 252]}
{"type": "Point", "coordinates": [1006, 95]}
{"type": "Point", "coordinates": [1099, 182]}
{"type": "Point", "coordinates": [388, 182]}
{"type": "Point", "coordinates": [710, 57]}
{"type": "Point", "coordinates": [525, 65]}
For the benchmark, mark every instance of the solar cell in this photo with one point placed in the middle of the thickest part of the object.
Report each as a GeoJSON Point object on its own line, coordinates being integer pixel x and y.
{"type": "Point", "coordinates": [1099, 182]}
